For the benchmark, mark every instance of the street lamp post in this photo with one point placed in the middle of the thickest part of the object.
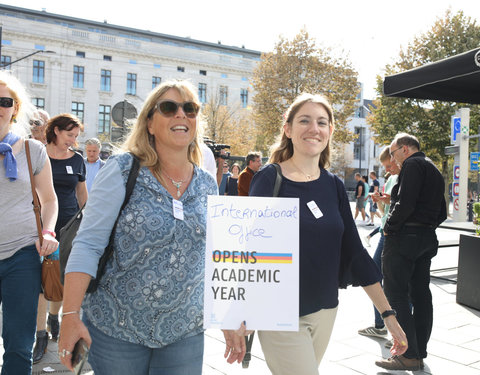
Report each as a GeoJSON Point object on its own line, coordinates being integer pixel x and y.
{"type": "Point", "coordinates": [25, 57]}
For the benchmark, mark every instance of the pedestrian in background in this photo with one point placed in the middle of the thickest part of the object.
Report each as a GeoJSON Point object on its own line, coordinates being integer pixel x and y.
{"type": "Point", "coordinates": [331, 252]}
{"type": "Point", "coordinates": [232, 182]}
{"type": "Point", "coordinates": [93, 163]}
{"type": "Point", "coordinates": [38, 123]}
{"type": "Point", "coordinates": [225, 175]}
{"type": "Point", "coordinates": [254, 163]}
{"type": "Point", "coordinates": [146, 317]}
{"type": "Point", "coordinates": [417, 208]}
{"type": "Point", "coordinates": [383, 200]}
{"type": "Point", "coordinates": [20, 250]}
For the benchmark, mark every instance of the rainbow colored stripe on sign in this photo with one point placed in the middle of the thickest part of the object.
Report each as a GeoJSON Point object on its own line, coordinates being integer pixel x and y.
{"type": "Point", "coordinates": [250, 257]}
{"type": "Point", "coordinates": [273, 257]}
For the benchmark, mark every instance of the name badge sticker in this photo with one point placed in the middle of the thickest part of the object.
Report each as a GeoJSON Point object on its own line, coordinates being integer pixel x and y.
{"type": "Point", "coordinates": [177, 209]}
{"type": "Point", "coordinates": [314, 209]}
{"type": "Point", "coordinates": [69, 169]}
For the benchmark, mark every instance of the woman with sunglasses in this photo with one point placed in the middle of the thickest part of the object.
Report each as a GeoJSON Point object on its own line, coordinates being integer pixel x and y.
{"type": "Point", "coordinates": [146, 316]}
{"type": "Point", "coordinates": [331, 252]}
{"type": "Point", "coordinates": [20, 251]}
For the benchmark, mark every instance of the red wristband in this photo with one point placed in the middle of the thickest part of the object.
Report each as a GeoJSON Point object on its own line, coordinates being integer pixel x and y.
{"type": "Point", "coordinates": [53, 234]}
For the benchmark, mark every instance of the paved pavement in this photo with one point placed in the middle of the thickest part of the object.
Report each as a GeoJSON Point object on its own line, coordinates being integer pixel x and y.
{"type": "Point", "coordinates": [454, 347]}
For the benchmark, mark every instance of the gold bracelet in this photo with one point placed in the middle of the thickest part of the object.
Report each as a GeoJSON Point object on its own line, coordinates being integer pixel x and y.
{"type": "Point", "coordinates": [69, 313]}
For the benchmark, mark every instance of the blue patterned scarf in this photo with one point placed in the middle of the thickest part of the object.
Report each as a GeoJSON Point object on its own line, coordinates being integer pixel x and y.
{"type": "Point", "coordinates": [9, 162]}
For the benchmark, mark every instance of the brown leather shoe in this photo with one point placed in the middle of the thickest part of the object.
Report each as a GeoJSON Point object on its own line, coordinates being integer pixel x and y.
{"type": "Point", "coordinates": [400, 363]}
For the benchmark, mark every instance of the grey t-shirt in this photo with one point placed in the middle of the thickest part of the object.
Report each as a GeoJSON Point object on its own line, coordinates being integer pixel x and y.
{"type": "Point", "coordinates": [17, 219]}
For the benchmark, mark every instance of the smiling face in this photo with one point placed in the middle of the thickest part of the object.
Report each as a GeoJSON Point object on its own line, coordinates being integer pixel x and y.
{"type": "Point", "coordinates": [309, 130]}
{"type": "Point", "coordinates": [176, 132]}
{"type": "Point", "coordinates": [6, 114]}
{"type": "Point", "coordinates": [66, 138]}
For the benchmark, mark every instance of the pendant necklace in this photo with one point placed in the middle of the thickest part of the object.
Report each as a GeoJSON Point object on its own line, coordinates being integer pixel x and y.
{"type": "Point", "coordinates": [177, 184]}
{"type": "Point", "coordinates": [308, 176]}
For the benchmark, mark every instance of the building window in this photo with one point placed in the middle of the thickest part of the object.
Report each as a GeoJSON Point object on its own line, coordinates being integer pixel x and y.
{"type": "Point", "coordinates": [5, 60]}
{"type": "Point", "coordinates": [107, 58]}
{"type": "Point", "coordinates": [203, 72]}
{"type": "Point", "coordinates": [106, 80]}
{"type": "Point", "coordinates": [81, 54]}
{"type": "Point", "coordinates": [39, 103]}
{"type": "Point", "coordinates": [156, 81]}
{"type": "Point", "coordinates": [244, 97]}
{"type": "Point", "coordinates": [224, 75]}
{"type": "Point", "coordinates": [78, 110]}
{"type": "Point", "coordinates": [223, 94]}
{"type": "Point", "coordinates": [38, 71]}
{"type": "Point", "coordinates": [157, 66]}
{"type": "Point", "coordinates": [359, 144]}
{"type": "Point", "coordinates": [78, 76]}
{"type": "Point", "coordinates": [104, 119]}
{"type": "Point", "coordinates": [131, 83]}
{"type": "Point", "coordinates": [202, 92]}
{"type": "Point", "coordinates": [181, 69]}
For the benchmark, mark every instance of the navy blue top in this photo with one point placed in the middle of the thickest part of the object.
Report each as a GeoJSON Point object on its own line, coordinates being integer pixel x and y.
{"type": "Point", "coordinates": [67, 173]}
{"type": "Point", "coordinates": [331, 252]}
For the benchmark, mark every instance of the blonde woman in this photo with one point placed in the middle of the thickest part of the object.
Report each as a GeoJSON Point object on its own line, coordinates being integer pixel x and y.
{"type": "Point", "coordinates": [147, 315]}
{"type": "Point", "coordinates": [331, 252]}
{"type": "Point", "coordinates": [20, 267]}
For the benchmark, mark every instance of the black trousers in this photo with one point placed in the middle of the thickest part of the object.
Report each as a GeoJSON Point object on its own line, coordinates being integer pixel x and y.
{"type": "Point", "coordinates": [406, 261]}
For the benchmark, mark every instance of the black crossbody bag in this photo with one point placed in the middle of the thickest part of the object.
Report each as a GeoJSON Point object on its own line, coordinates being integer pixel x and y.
{"type": "Point", "coordinates": [69, 231]}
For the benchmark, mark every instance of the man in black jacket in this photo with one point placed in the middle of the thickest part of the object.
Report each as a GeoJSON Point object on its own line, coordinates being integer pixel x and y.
{"type": "Point", "coordinates": [417, 208]}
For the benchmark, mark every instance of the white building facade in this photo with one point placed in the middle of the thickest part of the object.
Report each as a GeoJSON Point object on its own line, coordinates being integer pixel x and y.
{"type": "Point", "coordinates": [87, 67]}
{"type": "Point", "coordinates": [364, 152]}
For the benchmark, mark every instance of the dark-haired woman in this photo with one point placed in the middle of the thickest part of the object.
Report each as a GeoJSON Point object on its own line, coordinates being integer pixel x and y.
{"type": "Point", "coordinates": [331, 252]}
{"type": "Point", "coordinates": [69, 173]}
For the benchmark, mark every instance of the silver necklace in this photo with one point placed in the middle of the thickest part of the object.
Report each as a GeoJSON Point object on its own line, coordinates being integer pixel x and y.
{"type": "Point", "coordinates": [308, 176]}
{"type": "Point", "coordinates": [177, 184]}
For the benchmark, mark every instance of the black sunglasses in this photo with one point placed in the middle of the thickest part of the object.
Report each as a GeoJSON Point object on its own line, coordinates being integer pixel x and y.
{"type": "Point", "coordinates": [36, 122]}
{"type": "Point", "coordinates": [6, 102]}
{"type": "Point", "coordinates": [169, 108]}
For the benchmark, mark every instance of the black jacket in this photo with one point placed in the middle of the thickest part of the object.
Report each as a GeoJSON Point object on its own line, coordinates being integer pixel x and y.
{"type": "Point", "coordinates": [418, 196]}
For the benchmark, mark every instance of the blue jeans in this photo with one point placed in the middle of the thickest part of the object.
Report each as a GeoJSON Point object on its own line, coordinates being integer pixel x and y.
{"type": "Point", "coordinates": [406, 261]}
{"type": "Point", "coordinates": [377, 258]}
{"type": "Point", "coordinates": [20, 282]}
{"type": "Point", "coordinates": [109, 355]}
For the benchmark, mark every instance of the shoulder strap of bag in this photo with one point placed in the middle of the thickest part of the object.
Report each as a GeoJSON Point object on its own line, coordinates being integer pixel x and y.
{"type": "Point", "coordinates": [36, 203]}
{"type": "Point", "coordinates": [131, 180]}
{"type": "Point", "coordinates": [278, 180]}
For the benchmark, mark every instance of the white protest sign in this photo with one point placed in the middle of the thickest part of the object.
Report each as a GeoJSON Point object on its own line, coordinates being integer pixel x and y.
{"type": "Point", "coordinates": [252, 263]}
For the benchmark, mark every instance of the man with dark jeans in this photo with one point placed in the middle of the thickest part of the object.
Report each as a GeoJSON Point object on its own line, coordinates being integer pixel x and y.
{"type": "Point", "coordinates": [417, 208]}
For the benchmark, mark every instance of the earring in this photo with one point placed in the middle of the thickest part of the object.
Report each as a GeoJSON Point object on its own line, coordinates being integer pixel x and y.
{"type": "Point", "coordinates": [14, 119]}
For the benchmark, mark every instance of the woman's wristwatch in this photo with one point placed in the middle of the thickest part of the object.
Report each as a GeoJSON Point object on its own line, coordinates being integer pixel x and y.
{"type": "Point", "coordinates": [388, 313]}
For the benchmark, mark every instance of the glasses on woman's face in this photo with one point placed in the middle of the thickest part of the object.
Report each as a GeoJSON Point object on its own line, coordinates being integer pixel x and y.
{"type": "Point", "coordinates": [6, 102]}
{"type": "Point", "coordinates": [169, 108]}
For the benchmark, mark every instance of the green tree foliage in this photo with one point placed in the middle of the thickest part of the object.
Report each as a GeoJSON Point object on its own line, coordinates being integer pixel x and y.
{"type": "Point", "coordinates": [428, 120]}
{"type": "Point", "coordinates": [294, 67]}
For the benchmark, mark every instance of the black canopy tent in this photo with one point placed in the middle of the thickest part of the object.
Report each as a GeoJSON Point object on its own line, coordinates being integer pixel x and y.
{"type": "Point", "coordinates": [455, 79]}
